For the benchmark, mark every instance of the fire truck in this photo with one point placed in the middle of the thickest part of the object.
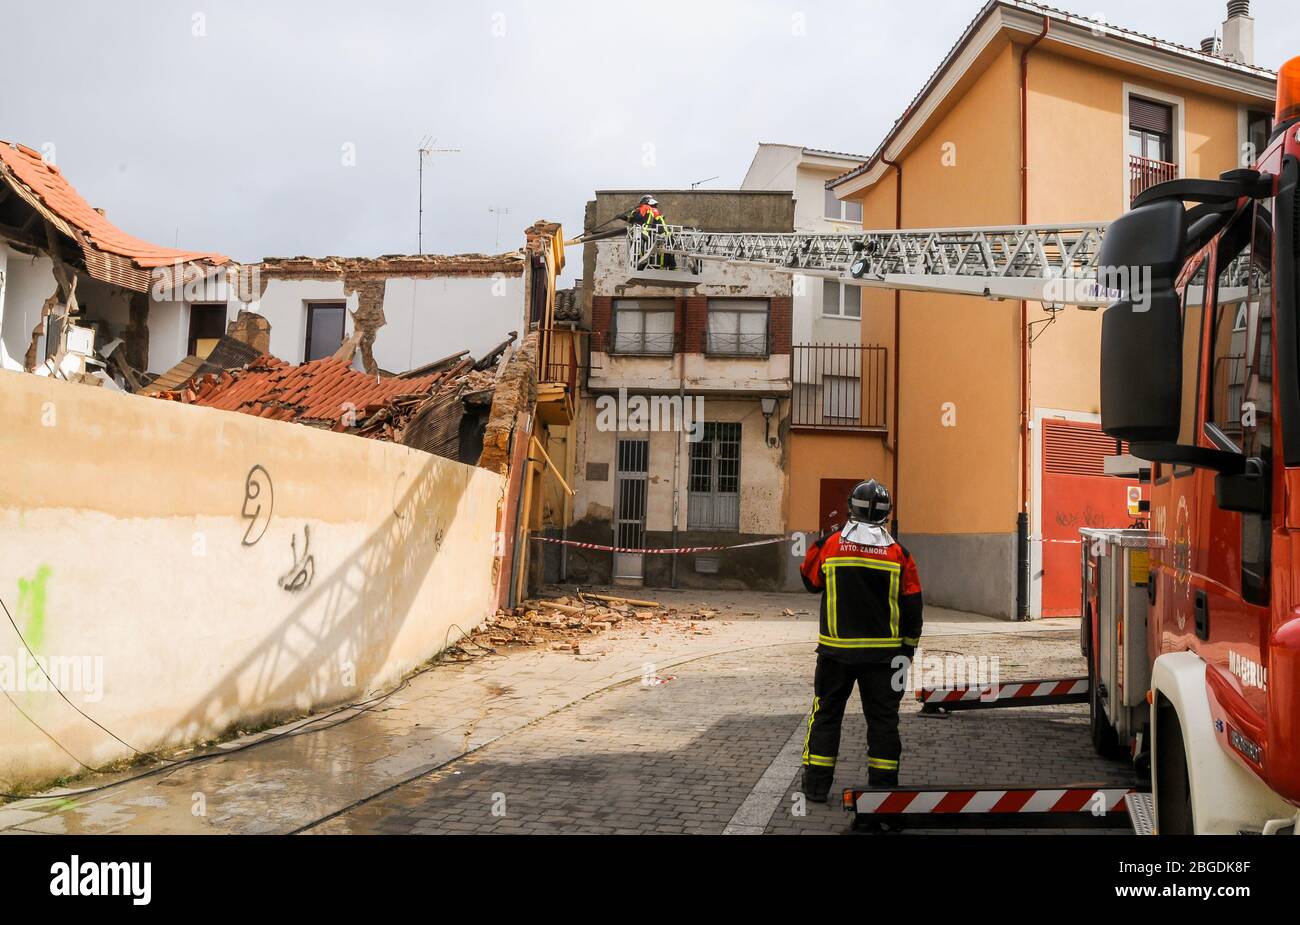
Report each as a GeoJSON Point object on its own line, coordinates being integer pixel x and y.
{"type": "Point", "coordinates": [1191, 628]}
{"type": "Point", "coordinates": [1200, 372]}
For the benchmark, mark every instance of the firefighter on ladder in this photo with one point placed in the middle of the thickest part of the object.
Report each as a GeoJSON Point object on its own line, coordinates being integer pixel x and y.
{"type": "Point", "coordinates": [650, 220]}
{"type": "Point", "coordinates": [870, 627]}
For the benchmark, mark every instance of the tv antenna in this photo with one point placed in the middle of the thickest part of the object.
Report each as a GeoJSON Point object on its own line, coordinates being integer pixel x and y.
{"type": "Point", "coordinates": [698, 183]}
{"type": "Point", "coordinates": [498, 212]}
{"type": "Point", "coordinates": [427, 149]}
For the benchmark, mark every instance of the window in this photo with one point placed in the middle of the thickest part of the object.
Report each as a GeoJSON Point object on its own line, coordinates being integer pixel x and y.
{"type": "Point", "coordinates": [1150, 129]}
{"type": "Point", "coordinates": [1240, 416]}
{"type": "Point", "coordinates": [842, 210]}
{"type": "Point", "coordinates": [207, 325]}
{"type": "Point", "coordinates": [1150, 145]}
{"type": "Point", "coordinates": [644, 325]}
{"type": "Point", "coordinates": [1259, 128]}
{"type": "Point", "coordinates": [737, 327]}
{"type": "Point", "coordinates": [713, 502]}
{"type": "Point", "coordinates": [841, 300]}
{"type": "Point", "coordinates": [324, 330]}
{"type": "Point", "coordinates": [842, 398]}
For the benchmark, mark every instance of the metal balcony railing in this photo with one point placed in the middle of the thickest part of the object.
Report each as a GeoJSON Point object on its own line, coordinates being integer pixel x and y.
{"type": "Point", "coordinates": [1143, 172]}
{"type": "Point", "coordinates": [839, 386]}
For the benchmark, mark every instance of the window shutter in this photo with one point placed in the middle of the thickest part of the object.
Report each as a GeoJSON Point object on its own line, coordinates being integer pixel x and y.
{"type": "Point", "coordinates": [1149, 116]}
{"type": "Point", "coordinates": [1076, 448]}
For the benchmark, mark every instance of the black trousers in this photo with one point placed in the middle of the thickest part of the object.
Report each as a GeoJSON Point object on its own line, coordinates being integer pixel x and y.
{"type": "Point", "coordinates": [832, 685]}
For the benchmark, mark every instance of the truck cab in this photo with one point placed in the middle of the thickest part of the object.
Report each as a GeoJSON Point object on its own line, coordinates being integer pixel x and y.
{"type": "Point", "coordinates": [1200, 372]}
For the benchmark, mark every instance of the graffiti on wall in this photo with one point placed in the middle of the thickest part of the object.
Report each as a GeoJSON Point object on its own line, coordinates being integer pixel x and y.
{"type": "Point", "coordinates": [303, 570]}
{"type": "Point", "coordinates": [259, 500]}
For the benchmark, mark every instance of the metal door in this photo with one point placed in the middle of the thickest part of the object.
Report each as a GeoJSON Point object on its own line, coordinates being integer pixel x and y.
{"type": "Point", "coordinates": [629, 516]}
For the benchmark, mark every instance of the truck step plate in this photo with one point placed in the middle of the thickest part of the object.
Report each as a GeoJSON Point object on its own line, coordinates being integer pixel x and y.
{"type": "Point", "coordinates": [1100, 806]}
{"type": "Point", "coordinates": [938, 700]}
{"type": "Point", "coordinates": [1141, 813]}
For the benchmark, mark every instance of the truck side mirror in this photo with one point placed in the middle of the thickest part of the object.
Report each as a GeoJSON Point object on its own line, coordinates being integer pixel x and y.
{"type": "Point", "coordinates": [1142, 332]}
{"type": "Point", "coordinates": [1248, 492]}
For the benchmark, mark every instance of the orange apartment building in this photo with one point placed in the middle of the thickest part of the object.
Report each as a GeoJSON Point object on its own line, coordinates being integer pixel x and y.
{"type": "Point", "coordinates": [1035, 116]}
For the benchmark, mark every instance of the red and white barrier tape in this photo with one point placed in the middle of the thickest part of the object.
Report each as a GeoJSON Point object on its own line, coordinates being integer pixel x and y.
{"type": "Point", "coordinates": [680, 549]}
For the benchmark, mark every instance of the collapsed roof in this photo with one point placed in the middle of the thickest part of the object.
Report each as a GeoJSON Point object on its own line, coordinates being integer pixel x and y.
{"type": "Point", "coordinates": [110, 254]}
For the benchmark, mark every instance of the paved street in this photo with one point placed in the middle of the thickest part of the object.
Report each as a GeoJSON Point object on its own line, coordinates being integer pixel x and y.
{"type": "Point", "coordinates": [537, 741]}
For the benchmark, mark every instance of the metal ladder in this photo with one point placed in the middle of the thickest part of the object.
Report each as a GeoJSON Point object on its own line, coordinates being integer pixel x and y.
{"type": "Point", "coordinates": [1052, 264]}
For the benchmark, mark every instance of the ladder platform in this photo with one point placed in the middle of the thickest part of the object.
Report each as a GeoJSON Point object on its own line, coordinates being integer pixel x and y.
{"type": "Point", "coordinates": [676, 279]}
{"type": "Point", "coordinates": [1090, 806]}
{"type": "Point", "coordinates": [1040, 693]}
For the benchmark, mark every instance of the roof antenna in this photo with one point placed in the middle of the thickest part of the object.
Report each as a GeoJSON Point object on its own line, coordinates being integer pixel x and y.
{"type": "Point", "coordinates": [698, 183]}
{"type": "Point", "coordinates": [496, 210]}
{"type": "Point", "coordinates": [427, 148]}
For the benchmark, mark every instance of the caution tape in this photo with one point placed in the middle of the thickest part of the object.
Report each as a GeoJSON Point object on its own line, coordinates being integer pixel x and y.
{"type": "Point", "coordinates": [676, 551]}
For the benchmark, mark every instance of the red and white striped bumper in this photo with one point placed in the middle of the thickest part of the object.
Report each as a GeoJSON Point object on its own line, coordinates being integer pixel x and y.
{"type": "Point", "coordinates": [1103, 806]}
{"type": "Point", "coordinates": [1010, 694]}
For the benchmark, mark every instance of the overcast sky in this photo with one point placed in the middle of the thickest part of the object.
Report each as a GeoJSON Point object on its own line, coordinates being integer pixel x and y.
{"type": "Point", "coordinates": [229, 126]}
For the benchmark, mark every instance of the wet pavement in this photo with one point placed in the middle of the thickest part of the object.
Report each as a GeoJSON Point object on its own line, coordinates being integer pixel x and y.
{"type": "Point", "coordinates": [542, 741]}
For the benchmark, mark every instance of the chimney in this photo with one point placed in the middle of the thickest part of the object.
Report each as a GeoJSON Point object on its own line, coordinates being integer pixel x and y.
{"type": "Point", "coordinates": [1239, 33]}
{"type": "Point", "coordinates": [1210, 46]}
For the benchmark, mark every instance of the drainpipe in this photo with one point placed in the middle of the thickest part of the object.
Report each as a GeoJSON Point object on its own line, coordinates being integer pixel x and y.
{"type": "Point", "coordinates": [1022, 516]}
{"type": "Point", "coordinates": [898, 337]}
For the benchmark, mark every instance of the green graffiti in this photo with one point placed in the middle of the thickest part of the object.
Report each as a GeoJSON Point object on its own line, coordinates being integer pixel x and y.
{"type": "Point", "coordinates": [31, 604]}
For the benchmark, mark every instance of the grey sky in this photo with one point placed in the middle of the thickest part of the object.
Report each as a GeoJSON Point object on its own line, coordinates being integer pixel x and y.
{"type": "Point", "coordinates": [234, 140]}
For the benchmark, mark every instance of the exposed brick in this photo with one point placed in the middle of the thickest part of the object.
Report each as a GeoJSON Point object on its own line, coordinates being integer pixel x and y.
{"type": "Point", "coordinates": [602, 310]}
{"type": "Point", "coordinates": [779, 322]}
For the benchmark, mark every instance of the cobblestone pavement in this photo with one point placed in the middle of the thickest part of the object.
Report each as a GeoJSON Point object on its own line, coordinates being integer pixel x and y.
{"type": "Point", "coordinates": [684, 756]}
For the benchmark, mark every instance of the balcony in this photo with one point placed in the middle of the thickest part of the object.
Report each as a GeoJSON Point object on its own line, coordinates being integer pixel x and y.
{"type": "Point", "coordinates": [561, 359]}
{"type": "Point", "coordinates": [839, 387]}
{"type": "Point", "coordinates": [1143, 173]}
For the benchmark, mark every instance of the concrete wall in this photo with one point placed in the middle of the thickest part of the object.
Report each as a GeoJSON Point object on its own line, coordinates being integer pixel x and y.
{"type": "Point", "coordinates": [129, 534]}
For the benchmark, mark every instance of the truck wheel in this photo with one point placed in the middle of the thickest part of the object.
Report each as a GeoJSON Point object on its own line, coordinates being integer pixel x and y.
{"type": "Point", "coordinates": [1173, 788]}
{"type": "Point", "coordinates": [1105, 741]}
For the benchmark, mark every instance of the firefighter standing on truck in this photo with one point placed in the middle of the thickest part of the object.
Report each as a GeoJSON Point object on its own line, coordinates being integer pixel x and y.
{"type": "Point", "coordinates": [647, 217]}
{"type": "Point", "coordinates": [870, 627]}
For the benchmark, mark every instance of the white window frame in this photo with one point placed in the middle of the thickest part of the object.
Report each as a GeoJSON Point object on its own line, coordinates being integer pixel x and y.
{"type": "Point", "coordinates": [839, 313]}
{"type": "Point", "coordinates": [1178, 139]}
{"type": "Point", "coordinates": [843, 215]}
{"type": "Point", "coordinates": [665, 306]}
{"type": "Point", "coordinates": [743, 306]}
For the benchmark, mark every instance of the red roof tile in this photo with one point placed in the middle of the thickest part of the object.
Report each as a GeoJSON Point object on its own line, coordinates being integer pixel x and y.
{"type": "Point", "coordinates": [53, 189]}
{"type": "Point", "coordinates": [321, 392]}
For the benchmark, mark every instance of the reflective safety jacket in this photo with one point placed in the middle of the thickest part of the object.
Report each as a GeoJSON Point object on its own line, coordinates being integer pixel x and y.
{"type": "Point", "coordinates": [871, 599]}
{"type": "Point", "coordinates": [646, 214]}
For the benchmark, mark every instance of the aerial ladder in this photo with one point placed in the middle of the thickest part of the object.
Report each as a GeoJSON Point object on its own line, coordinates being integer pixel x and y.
{"type": "Point", "coordinates": [1052, 264]}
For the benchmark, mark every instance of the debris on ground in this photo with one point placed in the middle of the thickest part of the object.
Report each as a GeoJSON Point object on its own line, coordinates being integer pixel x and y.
{"type": "Point", "coordinates": [569, 624]}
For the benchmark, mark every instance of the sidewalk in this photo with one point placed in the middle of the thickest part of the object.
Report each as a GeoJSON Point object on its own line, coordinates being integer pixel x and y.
{"type": "Point", "coordinates": [327, 763]}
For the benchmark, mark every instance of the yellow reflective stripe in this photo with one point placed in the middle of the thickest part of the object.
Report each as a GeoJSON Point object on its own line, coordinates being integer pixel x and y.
{"type": "Point", "coordinates": [820, 761]}
{"type": "Point", "coordinates": [832, 603]}
{"type": "Point", "coordinates": [895, 569]}
{"type": "Point", "coordinates": [884, 642]}
{"type": "Point", "coordinates": [817, 702]}
{"type": "Point", "coordinates": [883, 764]}
{"type": "Point", "coordinates": [911, 640]}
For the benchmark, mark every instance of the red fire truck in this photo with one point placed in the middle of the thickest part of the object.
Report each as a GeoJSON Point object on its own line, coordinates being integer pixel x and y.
{"type": "Point", "coordinates": [1200, 372]}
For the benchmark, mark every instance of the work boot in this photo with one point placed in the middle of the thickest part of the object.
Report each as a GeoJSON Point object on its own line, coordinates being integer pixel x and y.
{"type": "Point", "coordinates": [817, 783]}
{"type": "Point", "coordinates": [880, 779]}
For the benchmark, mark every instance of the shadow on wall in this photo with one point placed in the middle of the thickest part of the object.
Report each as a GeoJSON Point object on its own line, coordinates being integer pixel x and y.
{"type": "Point", "coordinates": [312, 657]}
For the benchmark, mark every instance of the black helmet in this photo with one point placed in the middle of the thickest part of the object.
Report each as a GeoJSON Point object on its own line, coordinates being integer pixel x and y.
{"type": "Point", "coordinates": [648, 200]}
{"type": "Point", "coordinates": [869, 503]}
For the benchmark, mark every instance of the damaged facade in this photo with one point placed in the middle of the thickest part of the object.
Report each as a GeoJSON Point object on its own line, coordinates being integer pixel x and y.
{"type": "Point", "coordinates": [717, 356]}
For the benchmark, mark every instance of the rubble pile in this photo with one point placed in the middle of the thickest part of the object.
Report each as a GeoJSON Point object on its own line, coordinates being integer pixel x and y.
{"type": "Point", "coordinates": [573, 624]}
